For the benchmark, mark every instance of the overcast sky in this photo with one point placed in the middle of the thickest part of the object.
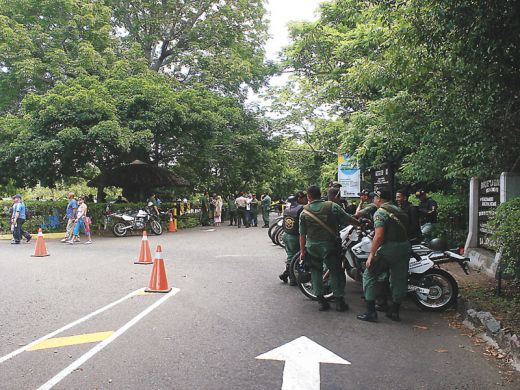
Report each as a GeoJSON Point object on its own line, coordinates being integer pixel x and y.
{"type": "Point", "coordinates": [282, 12]}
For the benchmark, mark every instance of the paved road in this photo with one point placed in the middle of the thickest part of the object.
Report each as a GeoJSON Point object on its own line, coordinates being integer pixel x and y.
{"type": "Point", "coordinates": [230, 308]}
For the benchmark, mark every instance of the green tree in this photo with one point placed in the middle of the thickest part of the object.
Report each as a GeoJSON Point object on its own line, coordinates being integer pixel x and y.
{"type": "Point", "coordinates": [43, 42]}
{"type": "Point", "coordinates": [431, 86]}
{"type": "Point", "coordinates": [217, 43]}
{"type": "Point", "coordinates": [70, 128]}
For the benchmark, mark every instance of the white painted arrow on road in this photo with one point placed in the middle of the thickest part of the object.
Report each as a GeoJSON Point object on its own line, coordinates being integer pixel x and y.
{"type": "Point", "coordinates": [302, 363]}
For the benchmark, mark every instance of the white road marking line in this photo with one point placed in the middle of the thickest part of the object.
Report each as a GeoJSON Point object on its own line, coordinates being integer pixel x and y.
{"type": "Point", "coordinates": [66, 327]}
{"type": "Point", "coordinates": [76, 364]}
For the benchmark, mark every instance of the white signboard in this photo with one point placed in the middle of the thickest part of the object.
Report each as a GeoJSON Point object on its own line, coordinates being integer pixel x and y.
{"type": "Point", "coordinates": [349, 176]}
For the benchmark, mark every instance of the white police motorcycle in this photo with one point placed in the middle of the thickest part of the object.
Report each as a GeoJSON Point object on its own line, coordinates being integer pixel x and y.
{"type": "Point", "coordinates": [430, 287]}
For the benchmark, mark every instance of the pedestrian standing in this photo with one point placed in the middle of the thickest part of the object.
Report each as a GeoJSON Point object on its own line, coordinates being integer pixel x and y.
{"type": "Point", "coordinates": [254, 210]}
{"type": "Point", "coordinates": [266, 207]}
{"type": "Point", "coordinates": [390, 251]}
{"type": "Point", "coordinates": [319, 230]}
{"type": "Point", "coordinates": [218, 211]}
{"type": "Point", "coordinates": [241, 203]}
{"type": "Point", "coordinates": [204, 209]}
{"type": "Point", "coordinates": [232, 210]}
{"type": "Point", "coordinates": [248, 210]}
{"type": "Point", "coordinates": [70, 216]}
{"type": "Point", "coordinates": [18, 218]}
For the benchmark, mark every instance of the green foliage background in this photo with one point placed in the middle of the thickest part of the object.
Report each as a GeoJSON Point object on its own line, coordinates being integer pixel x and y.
{"type": "Point", "coordinates": [506, 237]}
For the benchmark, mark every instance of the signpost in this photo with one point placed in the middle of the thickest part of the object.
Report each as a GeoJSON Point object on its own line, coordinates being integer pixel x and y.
{"type": "Point", "coordinates": [348, 176]}
{"type": "Point", "coordinates": [488, 200]}
{"type": "Point", "coordinates": [302, 359]}
{"type": "Point", "coordinates": [383, 178]}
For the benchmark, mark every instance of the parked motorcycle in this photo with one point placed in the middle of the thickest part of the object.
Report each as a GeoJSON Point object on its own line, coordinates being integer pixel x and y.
{"type": "Point", "coordinates": [144, 219]}
{"type": "Point", "coordinates": [430, 287]}
{"type": "Point", "coordinates": [276, 232]}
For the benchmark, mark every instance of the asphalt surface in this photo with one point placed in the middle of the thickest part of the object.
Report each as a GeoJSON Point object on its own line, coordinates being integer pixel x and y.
{"type": "Point", "coordinates": [231, 308]}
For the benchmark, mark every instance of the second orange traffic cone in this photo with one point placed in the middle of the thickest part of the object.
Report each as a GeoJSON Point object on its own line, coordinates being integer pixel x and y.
{"type": "Point", "coordinates": [158, 282]}
{"type": "Point", "coordinates": [171, 226]}
{"type": "Point", "coordinates": [41, 249]}
{"type": "Point", "coordinates": [145, 256]}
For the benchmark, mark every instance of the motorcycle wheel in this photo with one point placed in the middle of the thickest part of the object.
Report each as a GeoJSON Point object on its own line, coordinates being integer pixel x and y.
{"type": "Point", "coordinates": [443, 290]}
{"type": "Point", "coordinates": [119, 229]}
{"type": "Point", "coordinates": [306, 288]}
{"type": "Point", "coordinates": [279, 238]}
{"type": "Point", "coordinates": [294, 263]}
{"type": "Point", "coordinates": [274, 234]}
{"type": "Point", "coordinates": [155, 227]}
{"type": "Point", "coordinates": [271, 230]}
{"type": "Point", "coordinates": [348, 267]}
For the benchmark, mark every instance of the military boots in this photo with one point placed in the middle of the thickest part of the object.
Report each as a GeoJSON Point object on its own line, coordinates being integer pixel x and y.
{"type": "Point", "coordinates": [371, 313]}
{"type": "Point", "coordinates": [284, 276]}
{"type": "Point", "coordinates": [393, 313]}
{"type": "Point", "coordinates": [323, 305]}
{"type": "Point", "coordinates": [341, 305]}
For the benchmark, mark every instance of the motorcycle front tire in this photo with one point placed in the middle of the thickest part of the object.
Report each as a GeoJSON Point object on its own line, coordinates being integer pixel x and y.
{"type": "Point", "coordinates": [119, 229]}
{"type": "Point", "coordinates": [156, 227]}
{"type": "Point", "coordinates": [444, 290]}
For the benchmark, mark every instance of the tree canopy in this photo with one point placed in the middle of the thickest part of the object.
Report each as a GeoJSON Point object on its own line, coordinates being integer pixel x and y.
{"type": "Point", "coordinates": [429, 85]}
{"type": "Point", "coordinates": [91, 85]}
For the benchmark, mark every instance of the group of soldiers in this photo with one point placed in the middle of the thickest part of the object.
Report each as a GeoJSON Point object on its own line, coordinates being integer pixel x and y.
{"type": "Point", "coordinates": [313, 223]}
{"type": "Point", "coordinates": [241, 207]}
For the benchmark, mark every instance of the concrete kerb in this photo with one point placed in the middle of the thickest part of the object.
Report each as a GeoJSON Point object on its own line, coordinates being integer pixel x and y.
{"type": "Point", "coordinates": [46, 235]}
{"type": "Point", "coordinates": [491, 329]}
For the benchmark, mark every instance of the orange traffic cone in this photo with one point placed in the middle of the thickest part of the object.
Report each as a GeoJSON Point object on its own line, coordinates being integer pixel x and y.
{"type": "Point", "coordinates": [41, 249]}
{"type": "Point", "coordinates": [145, 256]}
{"type": "Point", "coordinates": [171, 226]}
{"type": "Point", "coordinates": [158, 281]}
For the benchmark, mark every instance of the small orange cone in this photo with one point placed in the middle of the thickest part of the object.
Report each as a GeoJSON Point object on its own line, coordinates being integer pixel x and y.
{"type": "Point", "coordinates": [158, 281]}
{"type": "Point", "coordinates": [145, 256]}
{"type": "Point", "coordinates": [41, 249]}
{"type": "Point", "coordinates": [171, 226]}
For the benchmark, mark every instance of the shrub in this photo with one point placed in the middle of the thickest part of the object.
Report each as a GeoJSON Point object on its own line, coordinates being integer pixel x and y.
{"type": "Point", "coordinates": [506, 235]}
{"type": "Point", "coordinates": [49, 215]}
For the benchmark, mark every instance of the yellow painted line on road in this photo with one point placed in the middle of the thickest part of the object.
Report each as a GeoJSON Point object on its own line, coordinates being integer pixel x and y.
{"type": "Point", "coordinates": [144, 293]}
{"type": "Point", "coordinates": [71, 340]}
{"type": "Point", "coordinates": [46, 235]}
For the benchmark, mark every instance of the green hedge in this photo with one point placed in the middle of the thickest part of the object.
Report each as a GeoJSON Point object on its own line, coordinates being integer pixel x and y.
{"type": "Point", "coordinates": [49, 215]}
{"type": "Point", "coordinates": [506, 235]}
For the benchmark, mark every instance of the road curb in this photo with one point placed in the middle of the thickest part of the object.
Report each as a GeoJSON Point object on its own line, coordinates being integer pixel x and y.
{"type": "Point", "coordinates": [47, 235]}
{"type": "Point", "coordinates": [492, 329]}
